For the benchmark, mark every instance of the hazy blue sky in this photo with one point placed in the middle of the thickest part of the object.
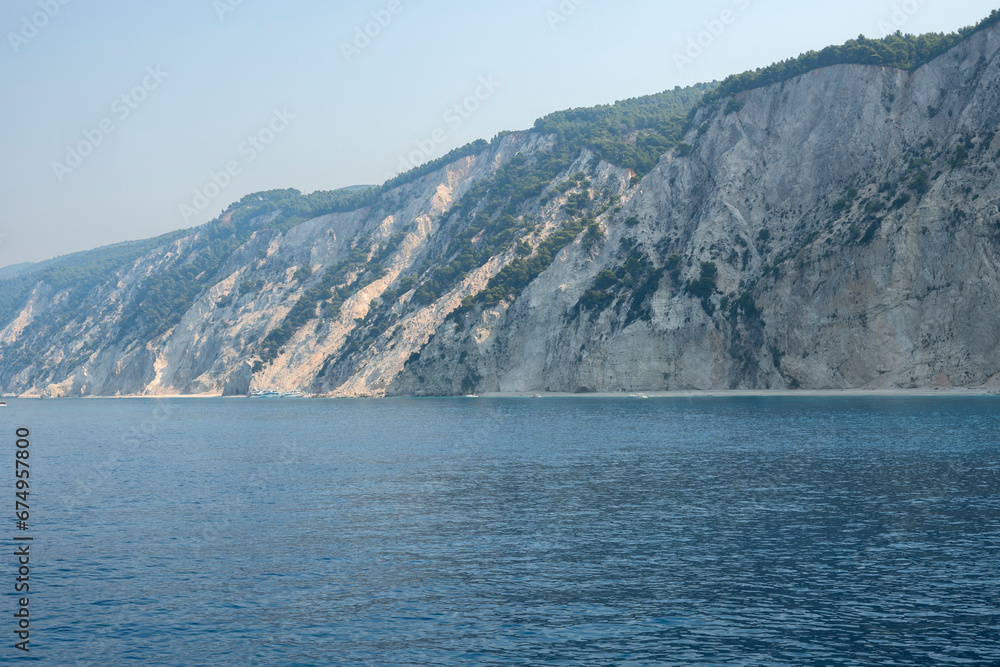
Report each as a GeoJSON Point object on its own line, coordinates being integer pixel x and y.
{"type": "Point", "coordinates": [201, 76]}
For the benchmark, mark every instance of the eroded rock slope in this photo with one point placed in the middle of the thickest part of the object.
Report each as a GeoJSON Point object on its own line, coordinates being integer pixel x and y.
{"type": "Point", "coordinates": [838, 230]}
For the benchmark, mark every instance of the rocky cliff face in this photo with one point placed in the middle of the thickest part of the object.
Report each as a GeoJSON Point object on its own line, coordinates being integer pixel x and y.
{"type": "Point", "coordinates": [839, 230]}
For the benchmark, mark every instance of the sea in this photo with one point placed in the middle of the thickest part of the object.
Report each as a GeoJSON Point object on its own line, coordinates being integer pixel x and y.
{"type": "Point", "coordinates": [508, 531]}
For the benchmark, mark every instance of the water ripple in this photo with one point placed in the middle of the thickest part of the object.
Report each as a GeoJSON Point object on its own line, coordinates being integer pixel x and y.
{"type": "Point", "coordinates": [434, 532]}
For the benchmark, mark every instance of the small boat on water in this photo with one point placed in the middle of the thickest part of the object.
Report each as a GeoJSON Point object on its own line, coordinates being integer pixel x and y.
{"type": "Point", "coordinates": [270, 393]}
{"type": "Point", "coordinates": [3, 404]}
{"type": "Point", "coordinates": [263, 393]}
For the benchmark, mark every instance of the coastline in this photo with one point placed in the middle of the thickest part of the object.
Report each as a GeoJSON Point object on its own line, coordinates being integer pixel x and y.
{"type": "Point", "coordinates": [688, 393]}
{"type": "Point", "coordinates": [759, 393]}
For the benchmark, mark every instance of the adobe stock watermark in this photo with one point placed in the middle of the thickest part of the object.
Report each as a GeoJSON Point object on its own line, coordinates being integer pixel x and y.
{"type": "Point", "coordinates": [255, 485]}
{"type": "Point", "coordinates": [901, 14]}
{"type": "Point", "coordinates": [224, 7]}
{"type": "Point", "coordinates": [363, 35]}
{"type": "Point", "coordinates": [248, 150]}
{"type": "Point", "coordinates": [32, 24]}
{"type": "Point", "coordinates": [139, 434]}
{"type": "Point", "coordinates": [121, 108]}
{"type": "Point", "coordinates": [563, 12]}
{"type": "Point", "coordinates": [453, 119]}
{"type": "Point", "coordinates": [714, 29]}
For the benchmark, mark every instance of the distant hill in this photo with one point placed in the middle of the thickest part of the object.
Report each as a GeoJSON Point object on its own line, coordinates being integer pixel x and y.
{"type": "Point", "coordinates": [14, 269]}
{"type": "Point", "coordinates": [831, 221]}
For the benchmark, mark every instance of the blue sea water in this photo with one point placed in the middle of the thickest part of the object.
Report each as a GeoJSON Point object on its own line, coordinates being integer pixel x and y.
{"type": "Point", "coordinates": [717, 531]}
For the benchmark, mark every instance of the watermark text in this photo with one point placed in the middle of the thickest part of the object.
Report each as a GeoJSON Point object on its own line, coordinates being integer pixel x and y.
{"type": "Point", "coordinates": [248, 151]}
{"type": "Point", "coordinates": [121, 108]}
{"type": "Point", "coordinates": [32, 24]}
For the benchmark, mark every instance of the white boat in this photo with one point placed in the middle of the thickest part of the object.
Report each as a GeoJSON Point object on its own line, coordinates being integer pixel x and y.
{"type": "Point", "coordinates": [3, 404]}
{"type": "Point", "coordinates": [264, 393]}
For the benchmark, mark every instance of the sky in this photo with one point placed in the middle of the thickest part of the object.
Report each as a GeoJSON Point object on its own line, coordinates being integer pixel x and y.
{"type": "Point", "coordinates": [125, 119]}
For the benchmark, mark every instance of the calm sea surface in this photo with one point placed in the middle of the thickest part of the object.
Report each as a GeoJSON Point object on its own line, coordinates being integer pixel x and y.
{"type": "Point", "coordinates": [748, 531]}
